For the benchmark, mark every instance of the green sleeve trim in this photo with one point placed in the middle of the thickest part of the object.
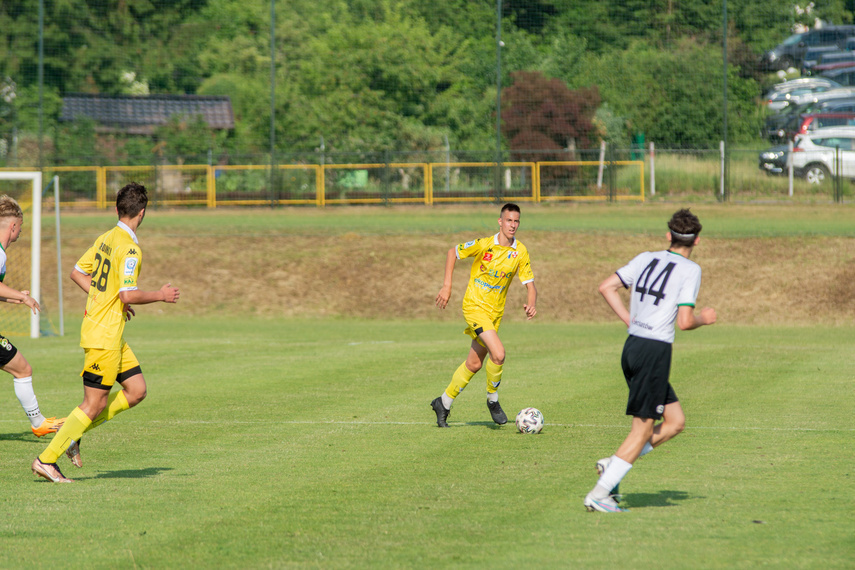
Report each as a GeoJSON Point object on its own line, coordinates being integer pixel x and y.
{"type": "Point", "coordinates": [686, 305]}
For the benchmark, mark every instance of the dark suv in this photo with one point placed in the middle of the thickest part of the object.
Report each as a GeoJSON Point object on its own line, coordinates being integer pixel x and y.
{"type": "Point", "coordinates": [792, 51]}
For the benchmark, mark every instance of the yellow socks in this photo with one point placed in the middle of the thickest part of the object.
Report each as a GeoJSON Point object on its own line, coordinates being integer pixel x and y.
{"type": "Point", "coordinates": [75, 424]}
{"type": "Point", "coordinates": [459, 380]}
{"type": "Point", "coordinates": [494, 378]}
{"type": "Point", "coordinates": [116, 404]}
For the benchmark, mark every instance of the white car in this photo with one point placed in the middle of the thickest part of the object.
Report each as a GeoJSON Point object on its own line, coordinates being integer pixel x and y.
{"type": "Point", "coordinates": [815, 154]}
{"type": "Point", "coordinates": [794, 91]}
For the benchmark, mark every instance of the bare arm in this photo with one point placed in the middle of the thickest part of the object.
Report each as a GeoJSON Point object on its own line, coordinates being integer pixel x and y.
{"type": "Point", "coordinates": [529, 307]}
{"type": "Point", "coordinates": [10, 295]}
{"type": "Point", "coordinates": [687, 320]}
{"type": "Point", "coordinates": [610, 290]}
{"type": "Point", "coordinates": [166, 294]}
{"type": "Point", "coordinates": [445, 293]}
{"type": "Point", "coordinates": [81, 279]}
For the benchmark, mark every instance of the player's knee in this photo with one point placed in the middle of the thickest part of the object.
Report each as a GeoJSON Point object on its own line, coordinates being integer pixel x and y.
{"type": "Point", "coordinates": [473, 365]}
{"type": "Point", "coordinates": [498, 358]}
{"type": "Point", "coordinates": [678, 426]}
{"type": "Point", "coordinates": [27, 370]}
{"type": "Point", "coordinates": [135, 396]}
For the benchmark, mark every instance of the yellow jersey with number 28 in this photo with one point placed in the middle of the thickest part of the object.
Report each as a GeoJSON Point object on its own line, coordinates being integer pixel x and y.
{"type": "Point", "coordinates": [492, 271]}
{"type": "Point", "coordinates": [113, 263]}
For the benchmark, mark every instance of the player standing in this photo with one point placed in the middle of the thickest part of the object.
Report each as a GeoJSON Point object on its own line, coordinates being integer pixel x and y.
{"type": "Point", "coordinates": [664, 286]}
{"type": "Point", "coordinates": [497, 259]}
{"type": "Point", "coordinates": [108, 272]}
{"type": "Point", "coordinates": [11, 359]}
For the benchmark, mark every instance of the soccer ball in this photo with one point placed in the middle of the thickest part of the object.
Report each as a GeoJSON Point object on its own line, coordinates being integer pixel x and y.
{"type": "Point", "coordinates": [530, 420]}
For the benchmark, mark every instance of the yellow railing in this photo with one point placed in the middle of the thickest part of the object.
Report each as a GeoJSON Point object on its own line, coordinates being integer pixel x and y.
{"type": "Point", "coordinates": [311, 184]}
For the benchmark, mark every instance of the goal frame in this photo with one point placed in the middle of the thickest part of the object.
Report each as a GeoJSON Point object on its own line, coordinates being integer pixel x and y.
{"type": "Point", "coordinates": [35, 223]}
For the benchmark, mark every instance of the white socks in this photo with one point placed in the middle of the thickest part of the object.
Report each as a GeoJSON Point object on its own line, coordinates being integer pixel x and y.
{"type": "Point", "coordinates": [27, 397]}
{"type": "Point", "coordinates": [492, 397]}
{"type": "Point", "coordinates": [647, 449]}
{"type": "Point", "coordinates": [447, 401]}
{"type": "Point", "coordinates": [611, 477]}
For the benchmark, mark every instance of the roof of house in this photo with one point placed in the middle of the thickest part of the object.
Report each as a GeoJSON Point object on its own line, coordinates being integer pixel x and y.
{"type": "Point", "coordinates": [142, 114]}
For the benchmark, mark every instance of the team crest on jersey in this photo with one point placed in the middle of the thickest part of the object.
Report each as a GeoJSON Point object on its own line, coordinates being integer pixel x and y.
{"type": "Point", "coordinates": [512, 255]}
{"type": "Point", "coordinates": [468, 244]}
{"type": "Point", "coordinates": [130, 265]}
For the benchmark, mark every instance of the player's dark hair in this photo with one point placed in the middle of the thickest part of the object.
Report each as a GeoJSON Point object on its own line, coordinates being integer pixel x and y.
{"type": "Point", "coordinates": [685, 227]}
{"type": "Point", "coordinates": [510, 207]}
{"type": "Point", "coordinates": [131, 199]}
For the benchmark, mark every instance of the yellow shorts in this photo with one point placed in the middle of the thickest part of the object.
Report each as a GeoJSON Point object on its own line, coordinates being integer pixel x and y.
{"type": "Point", "coordinates": [103, 368]}
{"type": "Point", "coordinates": [478, 322]}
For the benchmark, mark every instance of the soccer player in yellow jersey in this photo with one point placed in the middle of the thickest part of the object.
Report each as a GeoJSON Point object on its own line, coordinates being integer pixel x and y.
{"type": "Point", "coordinates": [12, 360]}
{"type": "Point", "coordinates": [497, 259]}
{"type": "Point", "coordinates": [108, 272]}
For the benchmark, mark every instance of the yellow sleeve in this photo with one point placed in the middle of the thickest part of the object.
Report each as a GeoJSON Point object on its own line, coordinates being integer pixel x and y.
{"type": "Point", "coordinates": [130, 260]}
{"type": "Point", "coordinates": [525, 273]}
{"type": "Point", "coordinates": [471, 248]}
{"type": "Point", "coordinates": [87, 262]}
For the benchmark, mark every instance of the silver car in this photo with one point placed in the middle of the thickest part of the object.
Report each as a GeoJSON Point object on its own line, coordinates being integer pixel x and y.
{"type": "Point", "coordinates": [815, 154]}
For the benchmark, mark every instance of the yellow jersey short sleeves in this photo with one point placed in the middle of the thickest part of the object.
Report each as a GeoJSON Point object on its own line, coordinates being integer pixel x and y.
{"type": "Point", "coordinates": [492, 271]}
{"type": "Point", "coordinates": [113, 263]}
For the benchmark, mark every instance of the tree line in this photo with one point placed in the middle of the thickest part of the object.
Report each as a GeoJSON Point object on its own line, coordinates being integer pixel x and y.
{"type": "Point", "coordinates": [396, 75]}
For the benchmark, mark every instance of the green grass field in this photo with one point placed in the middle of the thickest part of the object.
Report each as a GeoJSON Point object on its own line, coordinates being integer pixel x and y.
{"type": "Point", "coordinates": [271, 443]}
{"type": "Point", "coordinates": [277, 442]}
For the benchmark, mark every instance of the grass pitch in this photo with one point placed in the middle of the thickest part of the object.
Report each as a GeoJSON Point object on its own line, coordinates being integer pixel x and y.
{"type": "Point", "coordinates": [311, 443]}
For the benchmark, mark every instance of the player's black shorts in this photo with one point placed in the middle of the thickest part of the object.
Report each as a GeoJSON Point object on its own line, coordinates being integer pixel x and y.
{"type": "Point", "coordinates": [646, 366]}
{"type": "Point", "coordinates": [7, 351]}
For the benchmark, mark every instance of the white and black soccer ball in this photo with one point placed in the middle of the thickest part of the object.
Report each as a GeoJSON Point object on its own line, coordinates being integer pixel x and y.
{"type": "Point", "coordinates": [529, 420]}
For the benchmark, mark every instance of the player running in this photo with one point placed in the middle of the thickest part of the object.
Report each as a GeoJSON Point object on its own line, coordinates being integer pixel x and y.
{"type": "Point", "coordinates": [664, 286]}
{"type": "Point", "coordinates": [108, 272]}
{"type": "Point", "coordinates": [497, 259]}
{"type": "Point", "coordinates": [11, 359]}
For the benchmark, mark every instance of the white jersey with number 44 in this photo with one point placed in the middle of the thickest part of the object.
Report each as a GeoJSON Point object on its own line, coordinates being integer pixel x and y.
{"type": "Point", "coordinates": [659, 282]}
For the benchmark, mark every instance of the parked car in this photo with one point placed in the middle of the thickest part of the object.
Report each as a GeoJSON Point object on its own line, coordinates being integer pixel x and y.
{"type": "Point", "coordinates": [815, 121]}
{"type": "Point", "coordinates": [774, 160]}
{"type": "Point", "coordinates": [791, 52]}
{"type": "Point", "coordinates": [776, 124]}
{"type": "Point", "coordinates": [806, 122]}
{"type": "Point", "coordinates": [782, 99]}
{"type": "Point", "coordinates": [845, 76]}
{"type": "Point", "coordinates": [783, 94]}
{"type": "Point", "coordinates": [816, 55]}
{"type": "Point", "coordinates": [815, 154]}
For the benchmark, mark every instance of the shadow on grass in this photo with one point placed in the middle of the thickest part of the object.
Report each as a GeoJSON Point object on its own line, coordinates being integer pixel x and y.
{"type": "Point", "coordinates": [123, 474]}
{"type": "Point", "coordinates": [660, 499]}
{"type": "Point", "coordinates": [131, 473]}
{"type": "Point", "coordinates": [23, 436]}
{"type": "Point", "coordinates": [488, 424]}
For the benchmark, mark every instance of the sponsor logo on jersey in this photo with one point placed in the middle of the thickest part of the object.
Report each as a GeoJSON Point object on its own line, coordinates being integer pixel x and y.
{"type": "Point", "coordinates": [486, 285]}
{"type": "Point", "coordinates": [488, 256]}
{"type": "Point", "coordinates": [132, 251]}
{"type": "Point", "coordinates": [128, 281]}
{"type": "Point", "coordinates": [494, 273]}
{"type": "Point", "coordinates": [468, 244]}
{"type": "Point", "coordinates": [130, 265]}
{"type": "Point", "coordinates": [660, 409]}
{"type": "Point", "coordinates": [6, 344]}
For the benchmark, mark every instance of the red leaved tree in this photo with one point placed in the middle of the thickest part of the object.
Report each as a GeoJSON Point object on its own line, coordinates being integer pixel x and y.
{"type": "Point", "coordinates": [543, 114]}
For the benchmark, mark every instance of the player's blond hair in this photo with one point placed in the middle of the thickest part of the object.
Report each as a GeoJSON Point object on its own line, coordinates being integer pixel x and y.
{"type": "Point", "coordinates": [9, 208]}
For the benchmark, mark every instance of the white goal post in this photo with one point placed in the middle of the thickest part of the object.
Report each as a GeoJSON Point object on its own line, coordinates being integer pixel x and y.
{"type": "Point", "coordinates": [35, 222]}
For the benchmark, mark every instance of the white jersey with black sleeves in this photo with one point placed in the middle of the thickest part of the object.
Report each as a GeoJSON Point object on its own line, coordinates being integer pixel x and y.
{"type": "Point", "coordinates": [659, 283]}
